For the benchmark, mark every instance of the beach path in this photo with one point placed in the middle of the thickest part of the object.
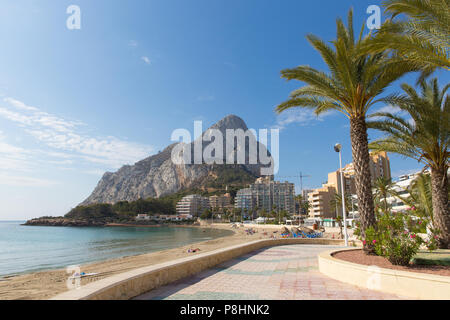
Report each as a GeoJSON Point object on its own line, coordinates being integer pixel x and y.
{"type": "Point", "coordinates": [284, 272]}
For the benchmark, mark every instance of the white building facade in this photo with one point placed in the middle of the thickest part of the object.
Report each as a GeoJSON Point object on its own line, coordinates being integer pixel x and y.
{"type": "Point", "coordinates": [193, 205]}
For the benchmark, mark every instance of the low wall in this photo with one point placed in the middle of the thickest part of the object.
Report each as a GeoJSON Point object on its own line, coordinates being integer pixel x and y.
{"type": "Point", "coordinates": [133, 283]}
{"type": "Point", "coordinates": [404, 283]}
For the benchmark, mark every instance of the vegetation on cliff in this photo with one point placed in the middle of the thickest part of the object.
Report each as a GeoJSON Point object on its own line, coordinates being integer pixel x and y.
{"type": "Point", "coordinates": [122, 211]}
{"type": "Point", "coordinates": [223, 179]}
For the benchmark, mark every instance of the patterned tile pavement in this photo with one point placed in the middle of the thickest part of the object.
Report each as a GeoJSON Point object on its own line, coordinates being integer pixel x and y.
{"type": "Point", "coordinates": [277, 273]}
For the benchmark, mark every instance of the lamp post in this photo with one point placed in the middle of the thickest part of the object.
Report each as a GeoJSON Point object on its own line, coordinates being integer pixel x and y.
{"type": "Point", "coordinates": [338, 148]}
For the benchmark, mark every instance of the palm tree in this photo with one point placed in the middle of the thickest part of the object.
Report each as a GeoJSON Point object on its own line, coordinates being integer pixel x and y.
{"type": "Point", "coordinates": [382, 189]}
{"type": "Point", "coordinates": [283, 214]}
{"type": "Point", "coordinates": [424, 138]}
{"type": "Point", "coordinates": [263, 213]}
{"type": "Point", "coordinates": [273, 213]}
{"type": "Point", "coordinates": [351, 87]}
{"type": "Point", "coordinates": [303, 204]}
{"type": "Point", "coordinates": [419, 196]}
{"type": "Point", "coordinates": [423, 39]}
{"type": "Point", "coordinates": [336, 202]}
{"type": "Point", "coordinates": [236, 211]}
{"type": "Point", "coordinates": [306, 206]}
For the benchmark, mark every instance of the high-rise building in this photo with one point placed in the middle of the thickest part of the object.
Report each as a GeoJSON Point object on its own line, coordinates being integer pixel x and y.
{"type": "Point", "coordinates": [334, 180]}
{"type": "Point", "coordinates": [268, 195]}
{"type": "Point", "coordinates": [245, 200]}
{"type": "Point", "coordinates": [320, 198]}
{"type": "Point", "coordinates": [379, 165]}
{"type": "Point", "coordinates": [305, 192]}
{"type": "Point", "coordinates": [220, 202]}
{"type": "Point", "coordinates": [193, 205]}
{"type": "Point", "coordinates": [319, 202]}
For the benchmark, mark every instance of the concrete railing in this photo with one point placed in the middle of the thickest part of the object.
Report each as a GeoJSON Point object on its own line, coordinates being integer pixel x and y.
{"type": "Point", "coordinates": [133, 283]}
{"type": "Point", "coordinates": [404, 283]}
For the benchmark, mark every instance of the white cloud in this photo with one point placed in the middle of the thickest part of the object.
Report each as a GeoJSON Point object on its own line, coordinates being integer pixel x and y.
{"type": "Point", "coordinates": [390, 109]}
{"type": "Point", "coordinates": [70, 142]}
{"type": "Point", "coordinates": [8, 148]}
{"type": "Point", "coordinates": [133, 43]}
{"type": "Point", "coordinates": [395, 111]}
{"type": "Point", "coordinates": [34, 117]}
{"type": "Point", "coordinates": [16, 117]}
{"type": "Point", "coordinates": [146, 59]}
{"type": "Point", "coordinates": [19, 104]}
{"type": "Point", "coordinates": [13, 157]}
{"type": "Point", "coordinates": [299, 116]}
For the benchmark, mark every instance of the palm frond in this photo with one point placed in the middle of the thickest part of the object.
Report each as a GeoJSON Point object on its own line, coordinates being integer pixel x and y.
{"type": "Point", "coordinates": [354, 80]}
{"type": "Point", "coordinates": [427, 139]}
{"type": "Point", "coordinates": [422, 39]}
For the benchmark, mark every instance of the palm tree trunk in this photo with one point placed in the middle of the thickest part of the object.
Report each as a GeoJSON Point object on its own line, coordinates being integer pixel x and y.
{"type": "Point", "coordinates": [363, 181]}
{"type": "Point", "coordinates": [441, 216]}
{"type": "Point", "coordinates": [385, 202]}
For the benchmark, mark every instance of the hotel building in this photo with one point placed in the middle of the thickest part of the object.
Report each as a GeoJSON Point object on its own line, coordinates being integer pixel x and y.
{"type": "Point", "coordinates": [193, 205]}
{"type": "Point", "coordinates": [220, 202]}
{"type": "Point", "coordinates": [268, 195]}
{"type": "Point", "coordinates": [319, 201]}
{"type": "Point", "coordinates": [245, 200]}
{"type": "Point", "coordinates": [320, 198]}
{"type": "Point", "coordinates": [379, 166]}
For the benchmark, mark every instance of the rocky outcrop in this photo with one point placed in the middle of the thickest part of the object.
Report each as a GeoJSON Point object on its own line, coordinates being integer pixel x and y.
{"type": "Point", "coordinates": [159, 176]}
{"type": "Point", "coordinates": [63, 222]}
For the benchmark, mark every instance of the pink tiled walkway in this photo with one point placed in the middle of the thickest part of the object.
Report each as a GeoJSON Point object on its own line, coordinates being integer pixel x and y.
{"type": "Point", "coordinates": [284, 272]}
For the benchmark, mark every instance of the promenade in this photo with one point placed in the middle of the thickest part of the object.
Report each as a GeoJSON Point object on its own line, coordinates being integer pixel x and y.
{"type": "Point", "coordinates": [284, 272]}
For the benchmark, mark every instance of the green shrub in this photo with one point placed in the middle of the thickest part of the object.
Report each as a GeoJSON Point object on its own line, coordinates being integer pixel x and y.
{"type": "Point", "coordinates": [395, 237]}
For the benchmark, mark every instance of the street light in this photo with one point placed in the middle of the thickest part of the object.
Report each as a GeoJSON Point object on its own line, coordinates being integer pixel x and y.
{"type": "Point", "coordinates": [338, 148]}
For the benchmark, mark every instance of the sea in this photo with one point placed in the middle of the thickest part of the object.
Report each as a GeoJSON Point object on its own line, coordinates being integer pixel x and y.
{"type": "Point", "coordinates": [26, 249]}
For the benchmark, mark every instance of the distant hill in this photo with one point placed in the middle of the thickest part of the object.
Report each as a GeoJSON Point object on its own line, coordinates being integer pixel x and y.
{"type": "Point", "coordinates": [157, 176]}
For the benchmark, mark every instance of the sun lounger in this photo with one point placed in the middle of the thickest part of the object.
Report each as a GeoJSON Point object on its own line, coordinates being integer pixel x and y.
{"type": "Point", "coordinates": [312, 235]}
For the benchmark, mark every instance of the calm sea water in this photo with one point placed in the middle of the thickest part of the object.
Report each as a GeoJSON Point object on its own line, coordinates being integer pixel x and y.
{"type": "Point", "coordinates": [26, 249]}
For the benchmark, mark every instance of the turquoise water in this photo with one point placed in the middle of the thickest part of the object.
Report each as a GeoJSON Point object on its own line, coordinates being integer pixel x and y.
{"type": "Point", "coordinates": [26, 249]}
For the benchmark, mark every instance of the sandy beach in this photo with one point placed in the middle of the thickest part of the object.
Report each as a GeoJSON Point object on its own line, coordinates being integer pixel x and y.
{"type": "Point", "coordinates": [46, 284]}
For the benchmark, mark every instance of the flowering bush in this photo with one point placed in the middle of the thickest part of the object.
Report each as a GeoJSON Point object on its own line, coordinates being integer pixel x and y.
{"type": "Point", "coordinates": [395, 237]}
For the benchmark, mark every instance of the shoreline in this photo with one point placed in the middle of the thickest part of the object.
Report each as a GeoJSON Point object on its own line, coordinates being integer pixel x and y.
{"type": "Point", "coordinates": [48, 283]}
{"type": "Point", "coordinates": [105, 260]}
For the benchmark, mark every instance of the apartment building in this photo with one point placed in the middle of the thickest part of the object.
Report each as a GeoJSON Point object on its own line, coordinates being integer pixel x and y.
{"type": "Point", "coordinates": [220, 202]}
{"type": "Point", "coordinates": [319, 201]}
{"type": "Point", "coordinates": [193, 205]}
{"type": "Point", "coordinates": [334, 180]}
{"type": "Point", "coordinates": [268, 195]}
{"type": "Point", "coordinates": [245, 200]}
{"type": "Point", "coordinates": [401, 187]}
{"type": "Point", "coordinates": [379, 165]}
{"type": "Point", "coordinates": [320, 198]}
{"type": "Point", "coordinates": [304, 193]}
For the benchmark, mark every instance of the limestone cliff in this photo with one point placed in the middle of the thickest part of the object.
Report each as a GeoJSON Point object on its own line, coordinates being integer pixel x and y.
{"type": "Point", "coordinates": [158, 176]}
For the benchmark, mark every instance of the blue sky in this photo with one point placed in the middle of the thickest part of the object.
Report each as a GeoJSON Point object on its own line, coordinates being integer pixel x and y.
{"type": "Point", "coordinates": [77, 103]}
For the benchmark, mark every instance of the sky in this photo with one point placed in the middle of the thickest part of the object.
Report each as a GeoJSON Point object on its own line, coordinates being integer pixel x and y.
{"type": "Point", "coordinates": [75, 103]}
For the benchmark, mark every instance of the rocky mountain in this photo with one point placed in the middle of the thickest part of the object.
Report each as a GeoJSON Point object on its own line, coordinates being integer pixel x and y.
{"type": "Point", "coordinates": [158, 175]}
